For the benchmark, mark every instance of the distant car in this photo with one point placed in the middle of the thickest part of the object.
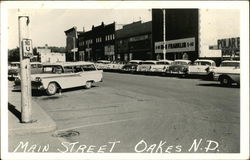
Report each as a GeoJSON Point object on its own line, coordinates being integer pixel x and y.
{"type": "Point", "coordinates": [131, 66]}
{"type": "Point", "coordinates": [14, 69]}
{"type": "Point", "coordinates": [114, 66]}
{"type": "Point", "coordinates": [59, 76]}
{"type": "Point", "coordinates": [145, 66]}
{"type": "Point", "coordinates": [102, 64]}
{"type": "Point", "coordinates": [179, 66]}
{"type": "Point", "coordinates": [228, 73]}
{"type": "Point", "coordinates": [201, 67]}
{"type": "Point", "coordinates": [161, 66]}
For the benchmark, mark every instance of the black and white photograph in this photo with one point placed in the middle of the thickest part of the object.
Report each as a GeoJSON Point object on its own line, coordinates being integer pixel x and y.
{"type": "Point", "coordinates": [125, 80]}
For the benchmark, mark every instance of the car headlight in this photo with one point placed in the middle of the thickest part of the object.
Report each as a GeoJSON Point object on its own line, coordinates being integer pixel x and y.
{"type": "Point", "coordinates": [38, 79]}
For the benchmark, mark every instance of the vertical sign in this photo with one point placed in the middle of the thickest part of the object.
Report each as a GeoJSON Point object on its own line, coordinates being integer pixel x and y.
{"type": "Point", "coordinates": [27, 48]}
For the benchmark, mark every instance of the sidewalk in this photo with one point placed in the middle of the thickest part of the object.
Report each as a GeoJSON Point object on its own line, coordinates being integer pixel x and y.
{"type": "Point", "coordinates": [43, 123]}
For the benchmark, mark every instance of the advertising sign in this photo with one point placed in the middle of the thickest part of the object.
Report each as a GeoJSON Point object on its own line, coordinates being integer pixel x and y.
{"type": "Point", "coordinates": [229, 43]}
{"type": "Point", "coordinates": [27, 48]}
{"type": "Point", "coordinates": [178, 45]}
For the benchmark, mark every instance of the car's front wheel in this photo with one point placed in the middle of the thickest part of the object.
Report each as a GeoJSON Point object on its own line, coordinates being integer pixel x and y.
{"type": "Point", "coordinates": [88, 85]}
{"type": "Point", "coordinates": [225, 81]}
{"type": "Point", "coordinates": [52, 88]}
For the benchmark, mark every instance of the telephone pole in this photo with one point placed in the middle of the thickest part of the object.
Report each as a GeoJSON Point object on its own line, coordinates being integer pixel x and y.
{"type": "Point", "coordinates": [24, 47]}
{"type": "Point", "coordinates": [164, 34]}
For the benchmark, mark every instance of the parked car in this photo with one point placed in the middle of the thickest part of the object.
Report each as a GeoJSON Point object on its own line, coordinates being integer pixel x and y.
{"type": "Point", "coordinates": [14, 69]}
{"type": "Point", "coordinates": [102, 64]}
{"type": "Point", "coordinates": [179, 66]}
{"type": "Point", "coordinates": [161, 66]}
{"type": "Point", "coordinates": [57, 76]}
{"type": "Point", "coordinates": [227, 73]}
{"type": "Point", "coordinates": [114, 66]}
{"type": "Point", "coordinates": [131, 66]}
{"type": "Point", "coordinates": [201, 67]}
{"type": "Point", "coordinates": [145, 66]}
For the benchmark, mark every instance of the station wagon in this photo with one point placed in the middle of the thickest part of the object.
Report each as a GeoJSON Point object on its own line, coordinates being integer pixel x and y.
{"type": "Point", "coordinates": [57, 76]}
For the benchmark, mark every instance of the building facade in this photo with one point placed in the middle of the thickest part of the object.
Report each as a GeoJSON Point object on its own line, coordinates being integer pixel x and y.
{"type": "Point", "coordinates": [181, 26]}
{"type": "Point", "coordinates": [46, 56]}
{"type": "Point", "coordinates": [72, 44]}
{"type": "Point", "coordinates": [98, 43]}
{"type": "Point", "coordinates": [134, 41]}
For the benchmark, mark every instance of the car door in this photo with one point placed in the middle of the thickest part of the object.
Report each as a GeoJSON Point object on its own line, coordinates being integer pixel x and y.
{"type": "Point", "coordinates": [90, 73]}
{"type": "Point", "coordinates": [69, 78]}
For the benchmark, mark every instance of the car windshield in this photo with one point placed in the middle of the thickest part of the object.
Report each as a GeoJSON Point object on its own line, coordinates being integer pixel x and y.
{"type": "Point", "coordinates": [202, 63]}
{"type": "Point", "coordinates": [52, 69]}
{"type": "Point", "coordinates": [179, 63]}
{"type": "Point", "coordinates": [230, 64]}
{"type": "Point", "coordinates": [15, 65]}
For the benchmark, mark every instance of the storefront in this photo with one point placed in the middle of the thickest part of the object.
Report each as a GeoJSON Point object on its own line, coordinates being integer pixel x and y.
{"type": "Point", "coordinates": [176, 49]}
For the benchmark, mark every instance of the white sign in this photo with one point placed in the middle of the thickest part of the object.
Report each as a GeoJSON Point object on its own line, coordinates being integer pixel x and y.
{"type": "Point", "coordinates": [27, 48]}
{"type": "Point", "coordinates": [177, 45]}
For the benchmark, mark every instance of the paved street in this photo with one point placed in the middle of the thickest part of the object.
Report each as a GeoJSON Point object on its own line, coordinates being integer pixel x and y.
{"type": "Point", "coordinates": [141, 113]}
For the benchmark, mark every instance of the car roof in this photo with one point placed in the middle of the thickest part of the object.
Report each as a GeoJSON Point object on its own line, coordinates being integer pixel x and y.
{"type": "Point", "coordinates": [14, 62]}
{"type": "Point", "coordinates": [166, 60]}
{"type": "Point", "coordinates": [68, 63]}
{"type": "Point", "coordinates": [203, 60]}
{"type": "Point", "coordinates": [150, 61]}
{"type": "Point", "coordinates": [135, 61]}
{"type": "Point", "coordinates": [230, 61]}
{"type": "Point", "coordinates": [103, 61]}
{"type": "Point", "coordinates": [35, 63]}
{"type": "Point", "coordinates": [182, 60]}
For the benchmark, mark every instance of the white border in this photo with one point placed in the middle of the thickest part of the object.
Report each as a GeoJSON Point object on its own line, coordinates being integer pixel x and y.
{"type": "Point", "coordinates": [244, 115]}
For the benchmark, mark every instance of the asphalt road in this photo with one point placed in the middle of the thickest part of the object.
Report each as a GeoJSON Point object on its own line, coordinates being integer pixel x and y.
{"type": "Point", "coordinates": [149, 114]}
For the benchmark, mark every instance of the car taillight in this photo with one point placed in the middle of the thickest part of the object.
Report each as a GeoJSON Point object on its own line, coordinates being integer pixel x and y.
{"type": "Point", "coordinates": [38, 79]}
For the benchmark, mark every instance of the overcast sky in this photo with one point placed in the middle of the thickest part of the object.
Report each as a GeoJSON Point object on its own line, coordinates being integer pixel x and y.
{"type": "Point", "coordinates": [47, 26]}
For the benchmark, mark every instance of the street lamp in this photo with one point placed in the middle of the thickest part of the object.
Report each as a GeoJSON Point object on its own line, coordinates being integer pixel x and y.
{"type": "Point", "coordinates": [164, 35]}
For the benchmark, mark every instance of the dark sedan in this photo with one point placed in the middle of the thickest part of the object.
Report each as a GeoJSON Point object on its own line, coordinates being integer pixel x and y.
{"type": "Point", "coordinates": [179, 66]}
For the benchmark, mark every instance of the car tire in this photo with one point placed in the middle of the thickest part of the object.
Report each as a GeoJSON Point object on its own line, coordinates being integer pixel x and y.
{"type": "Point", "coordinates": [88, 85]}
{"type": "Point", "coordinates": [226, 81]}
{"type": "Point", "coordinates": [51, 89]}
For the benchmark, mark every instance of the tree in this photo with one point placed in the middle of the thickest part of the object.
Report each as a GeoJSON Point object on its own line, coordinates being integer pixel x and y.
{"type": "Point", "coordinates": [13, 55]}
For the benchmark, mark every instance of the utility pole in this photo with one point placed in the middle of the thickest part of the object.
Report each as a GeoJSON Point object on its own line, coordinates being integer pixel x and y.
{"type": "Point", "coordinates": [25, 49]}
{"type": "Point", "coordinates": [74, 46]}
{"type": "Point", "coordinates": [164, 34]}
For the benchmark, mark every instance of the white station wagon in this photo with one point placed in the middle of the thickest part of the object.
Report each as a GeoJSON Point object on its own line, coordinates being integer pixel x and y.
{"type": "Point", "coordinates": [201, 67]}
{"type": "Point", "coordinates": [65, 75]}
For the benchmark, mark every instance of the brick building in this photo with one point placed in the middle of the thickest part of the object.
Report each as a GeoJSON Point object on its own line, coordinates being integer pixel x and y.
{"type": "Point", "coordinates": [72, 44]}
{"type": "Point", "coordinates": [98, 43]}
{"type": "Point", "coordinates": [134, 41]}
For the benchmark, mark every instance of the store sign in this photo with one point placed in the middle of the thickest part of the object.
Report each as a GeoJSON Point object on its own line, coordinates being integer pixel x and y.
{"type": "Point", "coordinates": [109, 50]}
{"type": "Point", "coordinates": [138, 38]}
{"type": "Point", "coordinates": [178, 45]}
{"type": "Point", "coordinates": [27, 48]}
{"type": "Point", "coordinates": [229, 43]}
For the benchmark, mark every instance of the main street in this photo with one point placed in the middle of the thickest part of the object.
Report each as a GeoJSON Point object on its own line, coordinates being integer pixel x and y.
{"type": "Point", "coordinates": [142, 113]}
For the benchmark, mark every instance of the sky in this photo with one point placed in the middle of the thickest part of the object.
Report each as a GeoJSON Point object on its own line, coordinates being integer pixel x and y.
{"type": "Point", "coordinates": [47, 26]}
{"type": "Point", "coordinates": [217, 24]}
